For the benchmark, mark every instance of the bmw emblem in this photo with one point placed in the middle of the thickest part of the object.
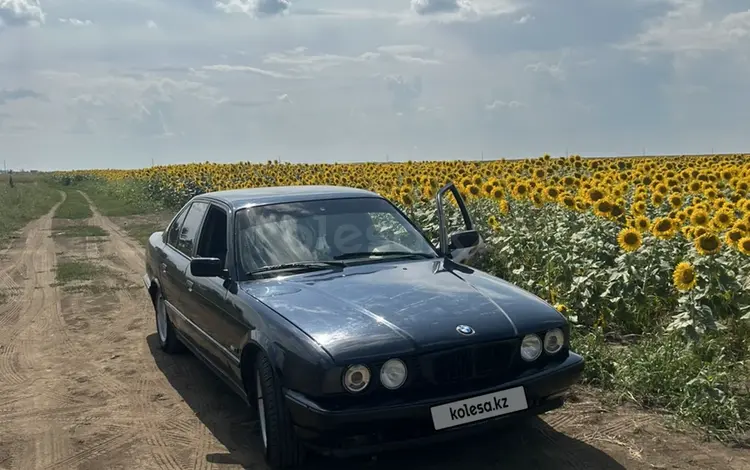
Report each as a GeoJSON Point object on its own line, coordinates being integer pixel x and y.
{"type": "Point", "coordinates": [465, 330]}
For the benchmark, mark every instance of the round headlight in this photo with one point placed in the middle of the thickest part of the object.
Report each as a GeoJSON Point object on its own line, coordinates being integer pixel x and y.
{"type": "Point", "coordinates": [554, 340]}
{"type": "Point", "coordinates": [531, 347]}
{"type": "Point", "coordinates": [356, 378]}
{"type": "Point", "coordinates": [393, 374]}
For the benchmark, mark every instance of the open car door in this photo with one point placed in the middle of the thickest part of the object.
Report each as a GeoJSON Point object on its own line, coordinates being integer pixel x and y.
{"type": "Point", "coordinates": [462, 245]}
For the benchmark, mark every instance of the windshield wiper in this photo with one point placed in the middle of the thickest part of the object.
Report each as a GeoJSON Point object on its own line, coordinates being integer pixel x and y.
{"type": "Point", "coordinates": [363, 254]}
{"type": "Point", "coordinates": [298, 265]}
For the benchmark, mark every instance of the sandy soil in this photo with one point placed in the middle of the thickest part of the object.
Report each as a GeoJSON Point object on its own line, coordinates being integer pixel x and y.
{"type": "Point", "coordinates": [83, 385]}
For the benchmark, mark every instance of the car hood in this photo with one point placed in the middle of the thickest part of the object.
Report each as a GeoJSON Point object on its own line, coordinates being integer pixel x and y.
{"type": "Point", "coordinates": [395, 308]}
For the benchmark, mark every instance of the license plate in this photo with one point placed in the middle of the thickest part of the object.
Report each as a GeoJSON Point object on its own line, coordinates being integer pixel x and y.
{"type": "Point", "coordinates": [478, 408]}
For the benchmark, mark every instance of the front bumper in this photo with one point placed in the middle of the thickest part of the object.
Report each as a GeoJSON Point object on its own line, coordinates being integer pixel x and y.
{"type": "Point", "coordinates": [367, 430]}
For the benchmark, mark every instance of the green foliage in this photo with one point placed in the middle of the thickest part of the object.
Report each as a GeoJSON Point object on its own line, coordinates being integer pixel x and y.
{"type": "Point", "coordinates": [75, 206]}
{"type": "Point", "coordinates": [77, 270]}
{"type": "Point", "coordinates": [704, 383]}
{"type": "Point", "coordinates": [25, 201]}
{"type": "Point", "coordinates": [121, 198]}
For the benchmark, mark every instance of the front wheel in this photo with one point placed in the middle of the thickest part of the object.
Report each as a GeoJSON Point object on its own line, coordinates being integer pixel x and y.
{"type": "Point", "coordinates": [280, 443]}
{"type": "Point", "coordinates": [165, 330]}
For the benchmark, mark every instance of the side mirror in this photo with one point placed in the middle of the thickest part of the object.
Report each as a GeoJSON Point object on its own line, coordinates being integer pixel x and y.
{"type": "Point", "coordinates": [464, 245]}
{"type": "Point", "coordinates": [207, 267]}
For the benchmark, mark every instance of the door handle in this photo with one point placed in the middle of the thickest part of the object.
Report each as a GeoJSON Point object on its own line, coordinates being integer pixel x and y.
{"type": "Point", "coordinates": [163, 267]}
{"type": "Point", "coordinates": [189, 284]}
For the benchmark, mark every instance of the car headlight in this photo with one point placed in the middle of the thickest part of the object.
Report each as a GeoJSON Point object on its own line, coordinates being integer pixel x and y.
{"type": "Point", "coordinates": [553, 341]}
{"type": "Point", "coordinates": [356, 378]}
{"type": "Point", "coordinates": [393, 374]}
{"type": "Point", "coordinates": [531, 347]}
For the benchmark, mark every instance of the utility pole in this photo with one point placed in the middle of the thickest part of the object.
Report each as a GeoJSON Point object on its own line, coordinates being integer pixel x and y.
{"type": "Point", "coordinates": [5, 167]}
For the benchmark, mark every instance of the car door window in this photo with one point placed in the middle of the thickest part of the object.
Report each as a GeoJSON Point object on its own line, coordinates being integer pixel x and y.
{"type": "Point", "coordinates": [213, 237]}
{"type": "Point", "coordinates": [190, 228]}
{"type": "Point", "coordinates": [173, 232]}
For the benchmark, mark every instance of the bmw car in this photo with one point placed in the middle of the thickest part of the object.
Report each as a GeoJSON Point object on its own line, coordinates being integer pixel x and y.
{"type": "Point", "coordinates": [345, 328]}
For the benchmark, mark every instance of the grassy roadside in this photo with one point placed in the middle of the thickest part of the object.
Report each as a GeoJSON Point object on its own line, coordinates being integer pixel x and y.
{"type": "Point", "coordinates": [705, 385]}
{"type": "Point", "coordinates": [127, 205]}
{"type": "Point", "coordinates": [75, 207]}
{"type": "Point", "coordinates": [28, 199]}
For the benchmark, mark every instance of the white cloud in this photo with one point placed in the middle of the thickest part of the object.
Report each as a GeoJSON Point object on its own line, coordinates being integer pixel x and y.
{"type": "Point", "coordinates": [524, 19]}
{"type": "Point", "coordinates": [331, 79]}
{"type": "Point", "coordinates": [253, 70]}
{"type": "Point", "coordinates": [554, 70]}
{"type": "Point", "coordinates": [693, 26]}
{"type": "Point", "coordinates": [254, 7]}
{"type": "Point", "coordinates": [453, 11]}
{"type": "Point", "coordinates": [498, 104]}
{"type": "Point", "coordinates": [75, 22]}
{"type": "Point", "coordinates": [21, 13]}
{"type": "Point", "coordinates": [429, 7]}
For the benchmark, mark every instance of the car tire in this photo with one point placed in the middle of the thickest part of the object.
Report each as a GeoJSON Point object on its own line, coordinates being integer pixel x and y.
{"type": "Point", "coordinates": [281, 445]}
{"type": "Point", "coordinates": [165, 330]}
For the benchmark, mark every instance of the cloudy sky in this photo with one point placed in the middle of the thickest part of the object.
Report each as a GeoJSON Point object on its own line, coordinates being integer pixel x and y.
{"type": "Point", "coordinates": [119, 83]}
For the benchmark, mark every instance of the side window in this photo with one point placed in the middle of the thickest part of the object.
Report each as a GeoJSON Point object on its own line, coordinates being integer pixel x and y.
{"type": "Point", "coordinates": [190, 227]}
{"type": "Point", "coordinates": [213, 239]}
{"type": "Point", "coordinates": [173, 232]}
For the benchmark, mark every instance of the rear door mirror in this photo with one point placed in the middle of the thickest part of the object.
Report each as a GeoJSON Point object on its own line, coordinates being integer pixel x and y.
{"type": "Point", "coordinates": [461, 245]}
{"type": "Point", "coordinates": [207, 267]}
{"type": "Point", "coordinates": [464, 245]}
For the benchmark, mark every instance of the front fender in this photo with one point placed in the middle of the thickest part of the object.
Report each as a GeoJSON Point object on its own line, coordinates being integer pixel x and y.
{"type": "Point", "coordinates": [299, 363]}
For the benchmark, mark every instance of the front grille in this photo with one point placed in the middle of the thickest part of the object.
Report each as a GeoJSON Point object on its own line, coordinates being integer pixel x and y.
{"type": "Point", "coordinates": [491, 360]}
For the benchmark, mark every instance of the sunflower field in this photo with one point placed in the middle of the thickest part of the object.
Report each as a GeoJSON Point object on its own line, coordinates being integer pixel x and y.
{"type": "Point", "coordinates": [624, 247]}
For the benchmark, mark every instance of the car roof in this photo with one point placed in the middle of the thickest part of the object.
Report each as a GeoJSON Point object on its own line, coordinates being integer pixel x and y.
{"type": "Point", "coordinates": [250, 197]}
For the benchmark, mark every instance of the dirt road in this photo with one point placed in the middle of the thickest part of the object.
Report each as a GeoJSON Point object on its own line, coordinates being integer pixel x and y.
{"type": "Point", "coordinates": [83, 385]}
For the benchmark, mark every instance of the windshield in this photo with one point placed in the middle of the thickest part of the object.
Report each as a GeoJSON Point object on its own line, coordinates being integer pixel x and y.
{"type": "Point", "coordinates": [324, 230]}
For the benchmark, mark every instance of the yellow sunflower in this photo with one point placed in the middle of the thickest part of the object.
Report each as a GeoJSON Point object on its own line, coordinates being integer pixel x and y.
{"type": "Point", "coordinates": [708, 244]}
{"type": "Point", "coordinates": [503, 206]}
{"type": "Point", "coordinates": [602, 207]}
{"type": "Point", "coordinates": [684, 277]}
{"type": "Point", "coordinates": [733, 236]}
{"type": "Point", "coordinates": [699, 217]}
{"type": "Point", "coordinates": [594, 194]}
{"type": "Point", "coordinates": [629, 239]}
{"type": "Point", "coordinates": [675, 200]}
{"type": "Point", "coordinates": [723, 218]}
{"type": "Point", "coordinates": [639, 207]}
{"type": "Point", "coordinates": [663, 227]}
{"type": "Point", "coordinates": [744, 245]}
{"type": "Point", "coordinates": [642, 223]}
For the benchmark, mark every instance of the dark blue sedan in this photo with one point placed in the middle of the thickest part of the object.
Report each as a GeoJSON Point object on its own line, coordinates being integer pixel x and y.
{"type": "Point", "coordinates": [344, 327]}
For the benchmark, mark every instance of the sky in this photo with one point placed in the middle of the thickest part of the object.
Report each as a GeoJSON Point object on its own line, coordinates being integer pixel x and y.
{"type": "Point", "coordinates": [131, 83]}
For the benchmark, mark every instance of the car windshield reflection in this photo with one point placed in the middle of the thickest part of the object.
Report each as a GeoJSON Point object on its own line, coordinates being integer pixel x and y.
{"type": "Point", "coordinates": [325, 231]}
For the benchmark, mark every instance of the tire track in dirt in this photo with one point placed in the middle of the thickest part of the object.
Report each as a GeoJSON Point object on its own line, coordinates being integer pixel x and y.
{"type": "Point", "coordinates": [62, 364]}
{"type": "Point", "coordinates": [26, 301]}
{"type": "Point", "coordinates": [128, 317]}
